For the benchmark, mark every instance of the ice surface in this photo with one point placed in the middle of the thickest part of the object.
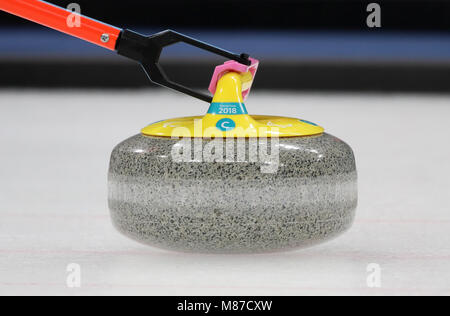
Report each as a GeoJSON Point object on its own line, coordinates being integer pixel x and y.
{"type": "Point", "coordinates": [54, 152]}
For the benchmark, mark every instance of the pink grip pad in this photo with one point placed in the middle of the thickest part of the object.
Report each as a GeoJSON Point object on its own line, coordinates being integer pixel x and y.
{"type": "Point", "coordinates": [232, 65]}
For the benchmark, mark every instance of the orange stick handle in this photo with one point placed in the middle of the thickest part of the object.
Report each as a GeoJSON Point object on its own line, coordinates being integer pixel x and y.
{"type": "Point", "coordinates": [63, 20]}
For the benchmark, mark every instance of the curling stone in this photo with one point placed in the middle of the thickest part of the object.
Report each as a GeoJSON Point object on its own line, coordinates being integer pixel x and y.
{"type": "Point", "coordinates": [228, 182]}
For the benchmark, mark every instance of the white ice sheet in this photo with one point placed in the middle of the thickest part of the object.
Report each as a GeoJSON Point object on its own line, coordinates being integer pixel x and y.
{"type": "Point", "coordinates": [54, 152]}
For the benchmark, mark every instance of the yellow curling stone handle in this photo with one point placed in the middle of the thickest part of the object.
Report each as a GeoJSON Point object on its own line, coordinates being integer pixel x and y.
{"type": "Point", "coordinates": [228, 117]}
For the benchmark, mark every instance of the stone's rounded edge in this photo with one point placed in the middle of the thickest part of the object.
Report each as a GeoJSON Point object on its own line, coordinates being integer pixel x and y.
{"type": "Point", "coordinates": [212, 248]}
{"type": "Point", "coordinates": [311, 156]}
{"type": "Point", "coordinates": [162, 226]}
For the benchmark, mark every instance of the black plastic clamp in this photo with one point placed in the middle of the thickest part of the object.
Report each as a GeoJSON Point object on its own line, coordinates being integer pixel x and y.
{"type": "Point", "coordinates": [147, 51]}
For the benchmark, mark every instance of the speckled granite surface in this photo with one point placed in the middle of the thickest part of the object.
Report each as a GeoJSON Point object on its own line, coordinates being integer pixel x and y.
{"type": "Point", "coordinates": [227, 207]}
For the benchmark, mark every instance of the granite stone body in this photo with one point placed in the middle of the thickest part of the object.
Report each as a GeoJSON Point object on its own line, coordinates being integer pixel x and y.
{"type": "Point", "coordinates": [230, 204]}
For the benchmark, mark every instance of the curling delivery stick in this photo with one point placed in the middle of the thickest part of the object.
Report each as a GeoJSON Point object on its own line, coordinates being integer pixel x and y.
{"type": "Point", "coordinates": [144, 49]}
